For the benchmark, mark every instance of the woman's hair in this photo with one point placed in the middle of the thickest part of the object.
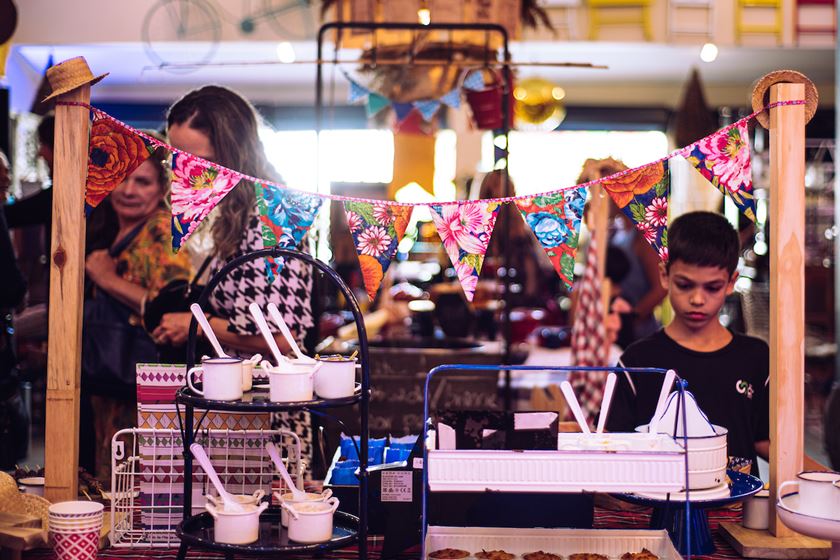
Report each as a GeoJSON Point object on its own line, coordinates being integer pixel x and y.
{"type": "Point", "coordinates": [231, 124]}
{"type": "Point", "coordinates": [510, 227]}
{"type": "Point", "coordinates": [159, 160]}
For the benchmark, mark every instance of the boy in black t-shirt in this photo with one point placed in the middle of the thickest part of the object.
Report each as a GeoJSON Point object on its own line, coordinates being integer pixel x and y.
{"type": "Point", "coordinates": [726, 372]}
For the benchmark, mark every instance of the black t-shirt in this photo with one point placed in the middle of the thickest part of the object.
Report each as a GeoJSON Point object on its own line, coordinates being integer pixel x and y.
{"type": "Point", "coordinates": [730, 386]}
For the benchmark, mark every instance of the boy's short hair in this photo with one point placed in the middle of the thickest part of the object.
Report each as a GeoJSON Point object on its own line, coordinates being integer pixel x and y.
{"type": "Point", "coordinates": [703, 239]}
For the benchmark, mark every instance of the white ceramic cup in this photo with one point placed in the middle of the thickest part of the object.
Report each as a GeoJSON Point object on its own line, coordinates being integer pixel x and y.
{"type": "Point", "coordinates": [757, 511]}
{"type": "Point", "coordinates": [291, 381]}
{"type": "Point", "coordinates": [222, 379]}
{"type": "Point", "coordinates": [288, 498]}
{"type": "Point", "coordinates": [817, 493]}
{"type": "Point", "coordinates": [311, 522]}
{"type": "Point", "coordinates": [32, 485]}
{"type": "Point", "coordinates": [244, 499]}
{"type": "Point", "coordinates": [235, 527]}
{"type": "Point", "coordinates": [336, 378]}
{"type": "Point", "coordinates": [248, 371]}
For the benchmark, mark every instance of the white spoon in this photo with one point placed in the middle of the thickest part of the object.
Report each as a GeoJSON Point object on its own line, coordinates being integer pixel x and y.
{"type": "Point", "coordinates": [571, 399]}
{"type": "Point", "coordinates": [653, 425]}
{"type": "Point", "coordinates": [284, 328]}
{"type": "Point", "coordinates": [201, 456]}
{"type": "Point", "coordinates": [605, 403]}
{"type": "Point", "coordinates": [299, 495]}
{"type": "Point", "coordinates": [208, 332]}
{"type": "Point", "coordinates": [257, 313]}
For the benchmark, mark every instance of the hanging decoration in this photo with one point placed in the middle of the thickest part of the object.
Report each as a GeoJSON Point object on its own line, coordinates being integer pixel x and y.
{"type": "Point", "coordinates": [114, 153]}
{"type": "Point", "coordinates": [197, 187]}
{"type": "Point", "coordinates": [642, 195]}
{"type": "Point", "coordinates": [377, 230]}
{"type": "Point", "coordinates": [375, 102]}
{"type": "Point", "coordinates": [464, 226]}
{"type": "Point", "coordinates": [465, 230]}
{"type": "Point", "coordinates": [724, 160]}
{"type": "Point", "coordinates": [555, 221]}
{"type": "Point", "coordinates": [285, 217]}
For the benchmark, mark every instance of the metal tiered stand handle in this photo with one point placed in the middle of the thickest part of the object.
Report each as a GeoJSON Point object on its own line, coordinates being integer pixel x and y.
{"type": "Point", "coordinates": [191, 401]}
{"type": "Point", "coordinates": [495, 369]}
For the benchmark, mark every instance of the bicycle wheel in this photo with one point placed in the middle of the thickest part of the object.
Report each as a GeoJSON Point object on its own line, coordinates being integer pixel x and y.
{"type": "Point", "coordinates": [292, 20]}
{"type": "Point", "coordinates": [181, 32]}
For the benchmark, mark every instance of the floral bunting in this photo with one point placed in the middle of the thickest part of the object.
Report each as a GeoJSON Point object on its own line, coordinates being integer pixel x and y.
{"type": "Point", "coordinates": [377, 230]}
{"type": "Point", "coordinates": [642, 195]}
{"type": "Point", "coordinates": [465, 230]}
{"type": "Point", "coordinates": [114, 154]}
{"type": "Point", "coordinates": [285, 217]}
{"type": "Point", "coordinates": [724, 160]}
{"type": "Point", "coordinates": [555, 221]}
{"type": "Point", "coordinates": [196, 189]}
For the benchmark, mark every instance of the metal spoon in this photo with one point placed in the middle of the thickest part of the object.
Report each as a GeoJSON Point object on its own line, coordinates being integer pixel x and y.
{"type": "Point", "coordinates": [299, 495]}
{"type": "Point", "coordinates": [208, 332]}
{"type": "Point", "coordinates": [257, 313]}
{"type": "Point", "coordinates": [284, 328]}
{"type": "Point", "coordinates": [201, 456]}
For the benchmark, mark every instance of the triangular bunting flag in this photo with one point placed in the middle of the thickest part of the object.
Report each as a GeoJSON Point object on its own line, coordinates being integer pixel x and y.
{"type": "Point", "coordinates": [555, 221]}
{"type": "Point", "coordinates": [402, 110]}
{"type": "Point", "coordinates": [474, 81]}
{"type": "Point", "coordinates": [642, 195]}
{"type": "Point", "coordinates": [465, 230]}
{"type": "Point", "coordinates": [114, 154]}
{"type": "Point", "coordinates": [427, 108]}
{"type": "Point", "coordinates": [375, 103]}
{"type": "Point", "coordinates": [285, 216]}
{"type": "Point", "coordinates": [452, 99]}
{"type": "Point", "coordinates": [196, 189]}
{"type": "Point", "coordinates": [724, 160]}
{"type": "Point", "coordinates": [377, 230]}
{"type": "Point", "coordinates": [356, 92]}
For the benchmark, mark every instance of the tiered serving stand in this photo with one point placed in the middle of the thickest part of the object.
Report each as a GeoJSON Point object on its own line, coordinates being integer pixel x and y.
{"type": "Point", "coordinates": [197, 530]}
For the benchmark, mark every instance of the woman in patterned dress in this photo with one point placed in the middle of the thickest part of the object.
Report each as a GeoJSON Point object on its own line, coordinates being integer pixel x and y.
{"type": "Point", "coordinates": [218, 125]}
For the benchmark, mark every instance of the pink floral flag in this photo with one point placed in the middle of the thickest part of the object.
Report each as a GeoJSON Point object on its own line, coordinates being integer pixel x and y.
{"type": "Point", "coordinates": [377, 230]}
{"type": "Point", "coordinates": [196, 189]}
{"type": "Point", "coordinates": [642, 195]}
{"type": "Point", "coordinates": [724, 160]}
{"type": "Point", "coordinates": [465, 229]}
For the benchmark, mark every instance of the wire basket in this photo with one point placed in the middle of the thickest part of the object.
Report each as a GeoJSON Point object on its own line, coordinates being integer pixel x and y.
{"type": "Point", "coordinates": [147, 478]}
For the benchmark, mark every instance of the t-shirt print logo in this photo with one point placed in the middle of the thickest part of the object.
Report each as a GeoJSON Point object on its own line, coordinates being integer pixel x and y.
{"type": "Point", "coordinates": [744, 388]}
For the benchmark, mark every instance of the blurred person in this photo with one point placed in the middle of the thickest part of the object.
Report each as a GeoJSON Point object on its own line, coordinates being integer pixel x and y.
{"type": "Point", "coordinates": [138, 262]}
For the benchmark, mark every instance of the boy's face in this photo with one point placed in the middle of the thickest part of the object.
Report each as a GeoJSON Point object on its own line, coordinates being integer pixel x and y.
{"type": "Point", "coordinates": [696, 292]}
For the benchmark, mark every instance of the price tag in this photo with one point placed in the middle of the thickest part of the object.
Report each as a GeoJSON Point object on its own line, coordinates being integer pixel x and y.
{"type": "Point", "coordinates": [396, 486]}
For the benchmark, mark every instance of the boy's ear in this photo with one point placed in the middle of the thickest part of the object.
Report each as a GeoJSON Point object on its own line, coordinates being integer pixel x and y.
{"type": "Point", "coordinates": [730, 286]}
{"type": "Point", "coordinates": [663, 275]}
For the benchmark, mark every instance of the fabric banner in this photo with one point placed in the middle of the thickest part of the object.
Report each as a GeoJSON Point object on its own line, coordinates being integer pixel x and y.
{"type": "Point", "coordinates": [402, 110]}
{"type": "Point", "coordinates": [114, 154]}
{"type": "Point", "coordinates": [555, 221]}
{"type": "Point", "coordinates": [196, 189]}
{"type": "Point", "coordinates": [642, 195]}
{"type": "Point", "coordinates": [724, 160]}
{"type": "Point", "coordinates": [377, 230]}
{"type": "Point", "coordinates": [465, 230]}
{"type": "Point", "coordinates": [427, 108]}
{"type": "Point", "coordinates": [375, 103]}
{"type": "Point", "coordinates": [285, 217]}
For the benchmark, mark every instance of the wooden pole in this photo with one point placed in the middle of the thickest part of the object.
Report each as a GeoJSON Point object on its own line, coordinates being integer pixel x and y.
{"type": "Point", "coordinates": [66, 298]}
{"type": "Point", "coordinates": [787, 291]}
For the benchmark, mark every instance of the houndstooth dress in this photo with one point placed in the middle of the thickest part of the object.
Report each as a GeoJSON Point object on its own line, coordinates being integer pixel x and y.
{"type": "Point", "coordinates": [291, 292]}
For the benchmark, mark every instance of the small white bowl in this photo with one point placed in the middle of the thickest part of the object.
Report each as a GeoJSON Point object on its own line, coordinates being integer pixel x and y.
{"type": "Point", "coordinates": [288, 497]}
{"type": "Point", "coordinates": [312, 522]}
{"type": "Point", "coordinates": [32, 485]}
{"type": "Point", "coordinates": [244, 499]}
{"type": "Point", "coordinates": [236, 527]}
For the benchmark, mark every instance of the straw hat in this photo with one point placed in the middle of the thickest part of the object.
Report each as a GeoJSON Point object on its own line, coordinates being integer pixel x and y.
{"type": "Point", "coordinates": [70, 74]}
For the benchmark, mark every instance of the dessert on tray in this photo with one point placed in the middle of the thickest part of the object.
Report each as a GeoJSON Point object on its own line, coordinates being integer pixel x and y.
{"type": "Point", "coordinates": [495, 555]}
{"type": "Point", "coordinates": [645, 554]}
{"type": "Point", "coordinates": [449, 554]}
{"type": "Point", "coordinates": [540, 555]}
{"type": "Point", "coordinates": [587, 556]}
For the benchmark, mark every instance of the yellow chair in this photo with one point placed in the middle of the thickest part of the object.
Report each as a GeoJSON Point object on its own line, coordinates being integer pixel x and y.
{"type": "Point", "coordinates": [626, 12]}
{"type": "Point", "coordinates": [742, 28]}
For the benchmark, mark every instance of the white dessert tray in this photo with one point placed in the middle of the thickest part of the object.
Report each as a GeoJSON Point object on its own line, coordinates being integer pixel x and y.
{"type": "Point", "coordinates": [609, 542]}
{"type": "Point", "coordinates": [626, 462]}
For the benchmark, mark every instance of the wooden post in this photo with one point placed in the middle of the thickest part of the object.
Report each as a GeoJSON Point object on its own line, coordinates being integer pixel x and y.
{"type": "Point", "coordinates": [66, 299]}
{"type": "Point", "coordinates": [787, 291]}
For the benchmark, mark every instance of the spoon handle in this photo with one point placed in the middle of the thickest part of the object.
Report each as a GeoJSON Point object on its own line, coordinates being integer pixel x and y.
{"type": "Point", "coordinates": [284, 328]}
{"type": "Point", "coordinates": [653, 426]}
{"type": "Point", "coordinates": [257, 313]}
{"type": "Point", "coordinates": [606, 402]}
{"type": "Point", "coordinates": [571, 399]}
{"type": "Point", "coordinates": [281, 468]}
{"type": "Point", "coordinates": [202, 458]}
{"type": "Point", "coordinates": [205, 327]}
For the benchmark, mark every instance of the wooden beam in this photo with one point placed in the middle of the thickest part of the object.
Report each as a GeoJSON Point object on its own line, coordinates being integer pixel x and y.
{"type": "Point", "coordinates": [67, 271]}
{"type": "Point", "coordinates": [787, 291]}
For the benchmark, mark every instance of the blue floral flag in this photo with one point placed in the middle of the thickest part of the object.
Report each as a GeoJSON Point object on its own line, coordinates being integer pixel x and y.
{"type": "Point", "coordinates": [452, 99]}
{"type": "Point", "coordinates": [427, 108]}
{"type": "Point", "coordinates": [285, 216]}
{"type": "Point", "coordinates": [474, 81]}
{"type": "Point", "coordinates": [356, 92]}
{"type": "Point", "coordinates": [555, 221]}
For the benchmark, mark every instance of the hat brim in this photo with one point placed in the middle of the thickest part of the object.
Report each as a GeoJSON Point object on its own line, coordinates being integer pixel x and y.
{"type": "Point", "coordinates": [65, 89]}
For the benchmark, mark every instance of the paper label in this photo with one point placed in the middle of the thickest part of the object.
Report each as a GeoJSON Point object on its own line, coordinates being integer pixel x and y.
{"type": "Point", "coordinates": [418, 462]}
{"type": "Point", "coordinates": [396, 486]}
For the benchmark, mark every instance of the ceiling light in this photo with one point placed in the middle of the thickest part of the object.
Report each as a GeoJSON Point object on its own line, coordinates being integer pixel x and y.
{"type": "Point", "coordinates": [424, 16]}
{"type": "Point", "coordinates": [709, 52]}
{"type": "Point", "coordinates": [285, 52]}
